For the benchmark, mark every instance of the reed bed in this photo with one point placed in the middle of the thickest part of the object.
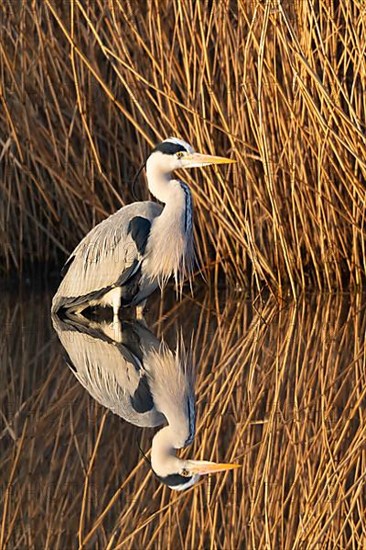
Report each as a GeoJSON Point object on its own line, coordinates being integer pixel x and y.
{"type": "Point", "coordinates": [88, 87]}
{"type": "Point", "coordinates": [279, 391]}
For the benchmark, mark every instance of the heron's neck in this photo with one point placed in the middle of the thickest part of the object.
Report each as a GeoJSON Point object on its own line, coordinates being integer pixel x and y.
{"type": "Point", "coordinates": [162, 186]}
{"type": "Point", "coordinates": [163, 458]}
{"type": "Point", "coordinates": [171, 232]}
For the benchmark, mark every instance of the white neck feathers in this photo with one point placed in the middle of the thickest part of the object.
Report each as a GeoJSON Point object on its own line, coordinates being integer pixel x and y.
{"type": "Point", "coordinates": [169, 249]}
{"type": "Point", "coordinates": [163, 458]}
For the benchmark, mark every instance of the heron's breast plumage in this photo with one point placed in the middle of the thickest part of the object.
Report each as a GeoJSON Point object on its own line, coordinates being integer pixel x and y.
{"type": "Point", "coordinates": [169, 249]}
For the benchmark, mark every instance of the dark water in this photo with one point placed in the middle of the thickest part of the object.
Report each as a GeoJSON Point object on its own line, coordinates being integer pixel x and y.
{"type": "Point", "coordinates": [280, 389]}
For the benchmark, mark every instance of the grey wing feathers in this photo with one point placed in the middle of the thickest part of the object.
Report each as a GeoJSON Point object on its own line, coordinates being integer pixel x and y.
{"type": "Point", "coordinates": [107, 256]}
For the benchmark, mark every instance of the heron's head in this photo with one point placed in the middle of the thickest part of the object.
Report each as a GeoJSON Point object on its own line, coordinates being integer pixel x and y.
{"type": "Point", "coordinates": [185, 473]}
{"type": "Point", "coordinates": [173, 153]}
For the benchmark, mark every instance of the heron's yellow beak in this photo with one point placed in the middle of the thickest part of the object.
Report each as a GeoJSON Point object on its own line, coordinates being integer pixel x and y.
{"type": "Point", "coordinates": [196, 160]}
{"type": "Point", "coordinates": [203, 467]}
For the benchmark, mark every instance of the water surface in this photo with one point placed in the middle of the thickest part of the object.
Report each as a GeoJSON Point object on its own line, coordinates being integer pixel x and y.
{"type": "Point", "coordinates": [280, 389]}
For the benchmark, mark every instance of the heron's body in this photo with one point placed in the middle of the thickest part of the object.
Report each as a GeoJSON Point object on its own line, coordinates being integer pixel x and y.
{"type": "Point", "coordinates": [115, 263]}
{"type": "Point", "coordinates": [127, 256]}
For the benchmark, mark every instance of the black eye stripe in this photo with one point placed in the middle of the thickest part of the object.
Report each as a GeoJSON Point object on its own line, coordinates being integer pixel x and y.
{"type": "Point", "coordinates": [174, 479]}
{"type": "Point", "coordinates": [169, 148]}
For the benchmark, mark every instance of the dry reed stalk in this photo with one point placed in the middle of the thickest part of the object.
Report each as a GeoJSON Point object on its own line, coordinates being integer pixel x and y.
{"type": "Point", "coordinates": [280, 391]}
{"type": "Point", "coordinates": [87, 87]}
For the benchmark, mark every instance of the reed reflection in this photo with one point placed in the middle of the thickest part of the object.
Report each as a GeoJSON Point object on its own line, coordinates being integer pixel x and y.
{"type": "Point", "coordinates": [127, 369]}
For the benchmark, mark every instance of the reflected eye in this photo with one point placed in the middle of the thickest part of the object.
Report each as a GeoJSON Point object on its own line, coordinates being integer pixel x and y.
{"type": "Point", "coordinates": [185, 473]}
{"type": "Point", "coordinates": [180, 154]}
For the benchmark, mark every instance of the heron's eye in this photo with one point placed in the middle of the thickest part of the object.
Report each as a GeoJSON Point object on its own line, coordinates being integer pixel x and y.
{"type": "Point", "coordinates": [185, 473]}
{"type": "Point", "coordinates": [180, 154]}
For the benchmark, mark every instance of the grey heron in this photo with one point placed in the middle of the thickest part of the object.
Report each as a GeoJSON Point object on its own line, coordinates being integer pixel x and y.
{"type": "Point", "coordinates": [127, 256]}
{"type": "Point", "coordinates": [139, 378]}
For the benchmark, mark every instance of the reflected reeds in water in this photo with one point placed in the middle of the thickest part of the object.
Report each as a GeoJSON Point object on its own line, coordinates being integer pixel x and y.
{"type": "Point", "coordinates": [279, 389]}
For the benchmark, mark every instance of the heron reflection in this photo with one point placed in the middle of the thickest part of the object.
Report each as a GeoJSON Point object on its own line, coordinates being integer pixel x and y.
{"type": "Point", "coordinates": [131, 372]}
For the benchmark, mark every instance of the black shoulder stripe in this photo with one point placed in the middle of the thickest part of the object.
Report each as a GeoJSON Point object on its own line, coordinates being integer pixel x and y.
{"type": "Point", "coordinates": [140, 229]}
{"type": "Point", "coordinates": [192, 421]}
{"type": "Point", "coordinates": [188, 210]}
{"type": "Point", "coordinates": [169, 148]}
{"type": "Point", "coordinates": [142, 400]}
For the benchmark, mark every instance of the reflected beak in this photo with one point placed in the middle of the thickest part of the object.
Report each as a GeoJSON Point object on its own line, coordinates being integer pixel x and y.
{"type": "Point", "coordinates": [196, 160]}
{"type": "Point", "coordinates": [203, 467]}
